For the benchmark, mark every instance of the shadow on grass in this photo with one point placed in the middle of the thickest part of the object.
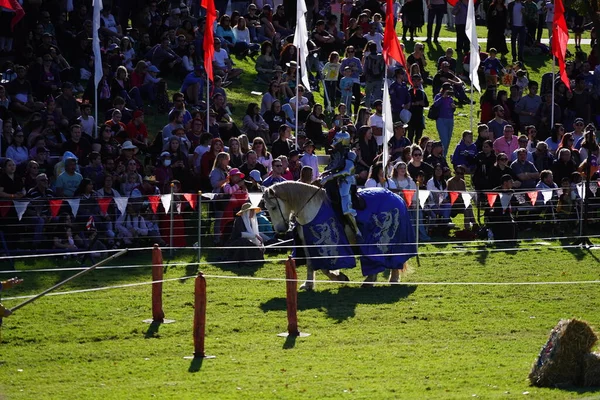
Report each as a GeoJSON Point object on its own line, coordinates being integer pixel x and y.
{"type": "Point", "coordinates": [196, 364]}
{"type": "Point", "coordinates": [290, 342]}
{"type": "Point", "coordinates": [152, 331]}
{"type": "Point", "coordinates": [341, 305]}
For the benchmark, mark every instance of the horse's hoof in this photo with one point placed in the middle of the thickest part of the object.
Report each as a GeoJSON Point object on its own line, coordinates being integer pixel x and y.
{"type": "Point", "coordinates": [395, 280]}
{"type": "Point", "coordinates": [343, 277]}
{"type": "Point", "coordinates": [307, 287]}
{"type": "Point", "coordinates": [369, 281]}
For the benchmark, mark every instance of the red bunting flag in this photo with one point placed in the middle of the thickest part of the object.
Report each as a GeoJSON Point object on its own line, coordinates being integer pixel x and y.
{"type": "Point", "coordinates": [453, 197]}
{"type": "Point", "coordinates": [209, 37]}
{"type": "Point", "coordinates": [191, 198]}
{"type": "Point", "coordinates": [560, 39]}
{"type": "Point", "coordinates": [391, 44]}
{"type": "Point", "coordinates": [408, 196]}
{"type": "Point", "coordinates": [532, 197]}
{"type": "Point", "coordinates": [55, 205]}
{"type": "Point", "coordinates": [90, 223]}
{"type": "Point", "coordinates": [104, 202]}
{"type": "Point", "coordinates": [154, 202]}
{"type": "Point", "coordinates": [16, 7]}
{"type": "Point", "coordinates": [491, 197]}
{"type": "Point", "coordinates": [5, 207]}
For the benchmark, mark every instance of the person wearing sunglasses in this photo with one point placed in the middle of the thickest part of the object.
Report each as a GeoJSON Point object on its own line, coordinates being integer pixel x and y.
{"type": "Point", "coordinates": [276, 174]}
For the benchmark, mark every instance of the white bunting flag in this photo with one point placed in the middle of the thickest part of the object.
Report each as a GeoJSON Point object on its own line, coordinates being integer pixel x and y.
{"type": "Point", "coordinates": [471, 32]}
{"type": "Point", "coordinates": [255, 198]}
{"type": "Point", "coordinates": [97, 4]}
{"type": "Point", "coordinates": [505, 200]}
{"type": "Point", "coordinates": [74, 203]}
{"type": "Point", "coordinates": [388, 123]}
{"type": "Point", "coordinates": [423, 196]}
{"type": "Point", "coordinates": [121, 203]}
{"type": "Point", "coordinates": [179, 208]}
{"type": "Point", "coordinates": [547, 195]}
{"type": "Point", "coordinates": [466, 197]}
{"type": "Point", "coordinates": [165, 199]}
{"type": "Point", "coordinates": [20, 207]}
{"type": "Point", "coordinates": [300, 41]}
{"type": "Point", "coordinates": [580, 190]}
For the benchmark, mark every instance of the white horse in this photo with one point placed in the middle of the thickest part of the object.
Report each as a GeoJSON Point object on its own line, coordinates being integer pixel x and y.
{"type": "Point", "coordinates": [304, 202]}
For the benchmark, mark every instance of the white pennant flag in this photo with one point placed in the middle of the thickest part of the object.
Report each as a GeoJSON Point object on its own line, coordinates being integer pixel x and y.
{"type": "Point", "coordinates": [165, 199]}
{"type": "Point", "coordinates": [20, 207]}
{"type": "Point", "coordinates": [471, 32]}
{"type": "Point", "coordinates": [255, 198]}
{"type": "Point", "coordinates": [74, 203]}
{"type": "Point", "coordinates": [300, 40]}
{"type": "Point", "coordinates": [466, 197]}
{"type": "Point", "coordinates": [593, 187]}
{"type": "Point", "coordinates": [96, 43]}
{"type": "Point", "coordinates": [505, 200]}
{"type": "Point", "coordinates": [209, 196]}
{"type": "Point", "coordinates": [580, 190]}
{"type": "Point", "coordinates": [388, 123]}
{"type": "Point", "coordinates": [547, 195]}
{"type": "Point", "coordinates": [423, 196]}
{"type": "Point", "coordinates": [121, 203]}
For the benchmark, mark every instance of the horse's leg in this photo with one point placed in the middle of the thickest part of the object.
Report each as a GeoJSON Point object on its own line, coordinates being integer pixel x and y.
{"type": "Point", "coordinates": [309, 284]}
{"type": "Point", "coordinates": [394, 276]}
{"type": "Point", "coordinates": [369, 280]}
{"type": "Point", "coordinates": [336, 275]}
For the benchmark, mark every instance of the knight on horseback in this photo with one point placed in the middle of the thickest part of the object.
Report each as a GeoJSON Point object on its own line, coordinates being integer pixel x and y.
{"type": "Point", "coordinates": [338, 178]}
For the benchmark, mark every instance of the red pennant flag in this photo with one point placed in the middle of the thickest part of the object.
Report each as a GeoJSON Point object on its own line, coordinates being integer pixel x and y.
{"type": "Point", "coordinates": [391, 45]}
{"type": "Point", "coordinates": [55, 206]}
{"type": "Point", "coordinates": [533, 197]}
{"type": "Point", "coordinates": [16, 7]}
{"type": "Point", "coordinates": [104, 202]}
{"type": "Point", "coordinates": [560, 39]}
{"type": "Point", "coordinates": [209, 37]}
{"type": "Point", "coordinates": [90, 223]}
{"type": "Point", "coordinates": [453, 197]}
{"type": "Point", "coordinates": [191, 198]}
{"type": "Point", "coordinates": [5, 207]}
{"type": "Point", "coordinates": [491, 197]}
{"type": "Point", "coordinates": [452, 2]}
{"type": "Point", "coordinates": [408, 196]}
{"type": "Point", "coordinates": [154, 202]}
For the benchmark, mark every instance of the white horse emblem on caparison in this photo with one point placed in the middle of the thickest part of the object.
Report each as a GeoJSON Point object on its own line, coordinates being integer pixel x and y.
{"type": "Point", "coordinates": [328, 236]}
{"type": "Point", "coordinates": [388, 223]}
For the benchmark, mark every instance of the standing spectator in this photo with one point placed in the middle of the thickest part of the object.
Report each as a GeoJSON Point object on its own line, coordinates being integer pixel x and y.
{"type": "Point", "coordinates": [418, 101]}
{"type": "Point", "coordinates": [330, 75]}
{"type": "Point", "coordinates": [496, 125]}
{"type": "Point", "coordinates": [445, 121]}
{"type": "Point", "coordinates": [460, 14]}
{"type": "Point", "coordinates": [87, 121]}
{"type": "Point", "coordinates": [350, 60]}
{"type": "Point", "coordinates": [497, 19]}
{"type": "Point", "coordinates": [374, 73]}
{"type": "Point", "coordinates": [516, 22]}
{"type": "Point", "coordinates": [436, 9]}
{"type": "Point", "coordinates": [527, 108]}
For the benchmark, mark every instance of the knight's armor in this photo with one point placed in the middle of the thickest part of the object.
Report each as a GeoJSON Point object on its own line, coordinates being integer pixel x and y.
{"type": "Point", "coordinates": [339, 175]}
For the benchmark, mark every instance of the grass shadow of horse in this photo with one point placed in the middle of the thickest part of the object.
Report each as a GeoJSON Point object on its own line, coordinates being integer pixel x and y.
{"type": "Point", "coordinates": [340, 304]}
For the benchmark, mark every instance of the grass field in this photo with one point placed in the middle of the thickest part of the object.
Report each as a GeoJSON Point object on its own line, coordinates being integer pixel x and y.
{"type": "Point", "coordinates": [432, 338]}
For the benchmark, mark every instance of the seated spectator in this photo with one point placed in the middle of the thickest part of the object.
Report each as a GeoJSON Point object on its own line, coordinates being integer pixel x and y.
{"type": "Point", "coordinates": [163, 57]}
{"type": "Point", "coordinates": [111, 215]}
{"type": "Point", "coordinates": [542, 159]}
{"type": "Point", "coordinates": [276, 174]}
{"type": "Point", "coordinates": [227, 127]}
{"type": "Point", "coordinates": [87, 121]}
{"type": "Point", "coordinates": [366, 152]}
{"type": "Point", "coordinates": [264, 157]}
{"type": "Point", "coordinates": [252, 164]}
{"type": "Point", "coordinates": [266, 65]}
{"type": "Point", "coordinates": [437, 155]}
{"type": "Point", "coordinates": [117, 126]}
{"type": "Point", "coordinates": [31, 173]}
{"type": "Point", "coordinates": [222, 64]}
{"type": "Point", "coordinates": [242, 43]}
{"type": "Point", "coordinates": [309, 159]}
{"type": "Point", "coordinates": [500, 169]}
{"type": "Point", "coordinates": [484, 161]}
{"type": "Point", "coordinates": [465, 152]}
{"type": "Point", "coordinates": [121, 86]}
{"type": "Point", "coordinates": [193, 85]}
{"type": "Point", "coordinates": [500, 218]}
{"type": "Point", "coordinates": [508, 142]}
{"type": "Point", "coordinates": [137, 131]}
{"type": "Point", "coordinates": [128, 153]}
{"type": "Point", "coordinates": [457, 184]}
{"type": "Point", "coordinates": [132, 228]}
{"type": "Point", "coordinates": [523, 143]}
{"type": "Point", "coordinates": [283, 145]}
{"type": "Point", "coordinates": [439, 201]}
{"type": "Point", "coordinates": [525, 170]}
{"type": "Point", "coordinates": [118, 103]}
{"type": "Point", "coordinates": [130, 178]}
{"type": "Point", "coordinates": [246, 240]}
{"type": "Point", "coordinates": [315, 124]}
{"type": "Point", "coordinates": [274, 118]}
{"type": "Point", "coordinates": [17, 151]}
{"type": "Point", "coordinates": [93, 169]}
{"type": "Point", "coordinates": [547, 183]}
{"type": "Point", "coordinates": [236, 157]}
{"type": "Point", "coordinates": [564, 165]}
{"type": "Point", "coordinates": [235, 182]}
{"type": "Point", "coordinates": [67, 103]}
{"type": "Point", "coordinates": [21, 93]}
{"type": "Point", "coordinates": [254, 125]}
{"type": "Point", "coordinates": [294, 166]}
{"type": "Point", "coordinates": [148, 187]}
{"type": "Point", "coordinates": [106, 144]}
{"type": "Point", "coordinates": [378, 178]}
{"type": "Point", "coordinates": [179, 160]}
{"type": "Point", "coordinates": [77, 144]}
{"type": "Point", "coordinates": [69, 180]}
{"type": "Point", "coordinates": [270, 96]}
{"type": "Point", "coordinates": [38, 212]}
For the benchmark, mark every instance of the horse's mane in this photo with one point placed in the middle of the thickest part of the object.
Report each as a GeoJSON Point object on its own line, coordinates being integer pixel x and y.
{"type": "Point", "coordinates": [297, 194]}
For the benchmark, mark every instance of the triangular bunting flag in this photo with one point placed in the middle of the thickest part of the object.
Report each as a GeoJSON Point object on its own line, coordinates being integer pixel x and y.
{"type": "Point", "coordinates": [533, 197]}
{"type": "Point", "coordinates": [453, 197]}
{"type": "Point", "coordinates": [580, 190]}
{"type": "Point", "coordinates": [103, 203]}
{"type": "Point", "coordinates": [423, 196]}
{"type": "Point", "coordinates": [593, 188]}
{"type": "Point", "coordinates": [90, 223]}
{"type": "Point", "coordinates": [505, 200]}
{"type": "Point", "coordinates": [121, 203]}
{"type": "Point", "coordinates": [547, 195]}
{"type": "Point", "coordinates": [408, 196]}
{"type": "Point", "coordinates": [55, 205]}
{"type": "Point", "coordinates": [20, 207]}
{"type": "Point", "coordinates": [178, 208]}
{"type": "Point", "coordinates": [191, 199]}
{"type": "Point", "coordinates": [154, 201]}
{"type": "Point", "coordinates": [4, 208]}
{"type": "Point", "coordinates": [165, 199]}
{"type": "Point", "coordinates": [74, 203]}
{"type": "Point", "coordinates": [209, 196]}
{"type": "Point", "coordinates": [491, 197]}
{"type": "Point", "coordinates": [466, 197]}
{"type": "Point", "coordinates": [255, 198]}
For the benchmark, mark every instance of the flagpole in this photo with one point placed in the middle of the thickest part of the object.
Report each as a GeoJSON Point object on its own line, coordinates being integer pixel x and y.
{"type": "Point", "coordinates": [552, 105]}
{"type": "Point", "coordinates": [471, 108]}
{"type": "Point", "coordinates": [207, 104]}
{"type": "Point", "coordinates": [297, 99]}
{"type": "Point", "coordinates": [385, 138]}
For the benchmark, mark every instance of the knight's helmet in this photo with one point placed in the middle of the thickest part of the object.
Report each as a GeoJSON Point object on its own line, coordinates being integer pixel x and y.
{"type": "Point", "coordinates": [341, 139]}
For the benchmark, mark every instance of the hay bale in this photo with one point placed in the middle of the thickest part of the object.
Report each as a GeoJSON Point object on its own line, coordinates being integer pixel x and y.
{"type": "Point", "coordinates": [591, 369]}
{"type": "Point", "coordinates": [561, 360]}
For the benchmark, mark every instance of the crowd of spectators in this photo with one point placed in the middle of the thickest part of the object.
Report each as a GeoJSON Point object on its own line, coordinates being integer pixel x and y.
{"type": "Point", "coordinates": [54, 145]}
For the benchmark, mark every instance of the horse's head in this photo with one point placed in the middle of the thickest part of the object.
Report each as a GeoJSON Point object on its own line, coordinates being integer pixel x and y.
{"type": "Point", "coordinates": [278, 210]}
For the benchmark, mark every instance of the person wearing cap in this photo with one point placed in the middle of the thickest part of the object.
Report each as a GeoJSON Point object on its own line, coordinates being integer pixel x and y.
{"type": "Point", "coordinates": [445, 75]}
{"type": "Point", "coordinates": [253, 181]}
{"type": "Point", "coordinates": [398, 142]}
{"type": "Point", "coordinates": [310, 159]}
{"type": "Point", "coordinates": [235, 182]}
{"type": "Point", "coordinates": [137, 131]}
{"type": "Point", "coordinates": [578, 127]}
{"type": "Point", "coordinates": [418, 101]}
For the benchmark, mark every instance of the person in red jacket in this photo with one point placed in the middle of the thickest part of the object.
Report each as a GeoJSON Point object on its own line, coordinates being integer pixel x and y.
{"type": "Point", "coordinates": [137, 131]}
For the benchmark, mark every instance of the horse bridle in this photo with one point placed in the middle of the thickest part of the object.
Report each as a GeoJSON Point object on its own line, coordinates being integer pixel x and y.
{"type": "Point", "coordinates": [271, 195]}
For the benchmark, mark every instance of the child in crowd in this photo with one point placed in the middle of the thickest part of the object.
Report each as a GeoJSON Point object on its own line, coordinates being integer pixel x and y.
{"type": "Point", "coordinates": [346, 84]}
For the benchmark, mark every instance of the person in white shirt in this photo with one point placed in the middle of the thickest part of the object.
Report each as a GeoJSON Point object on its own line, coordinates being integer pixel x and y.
{"type": "Point", "coordinates": [310, 159]}
{"type": "Point", "coordinates": [377, 178]}
{"type": "Point", "coordinates": [375, 36]}
{"type": "Point", "coordinates": [87, 122]}
{"type": "Point", "coordinates": [222, 64]}
{"type": "Point", "coordinates": [376, 123]}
